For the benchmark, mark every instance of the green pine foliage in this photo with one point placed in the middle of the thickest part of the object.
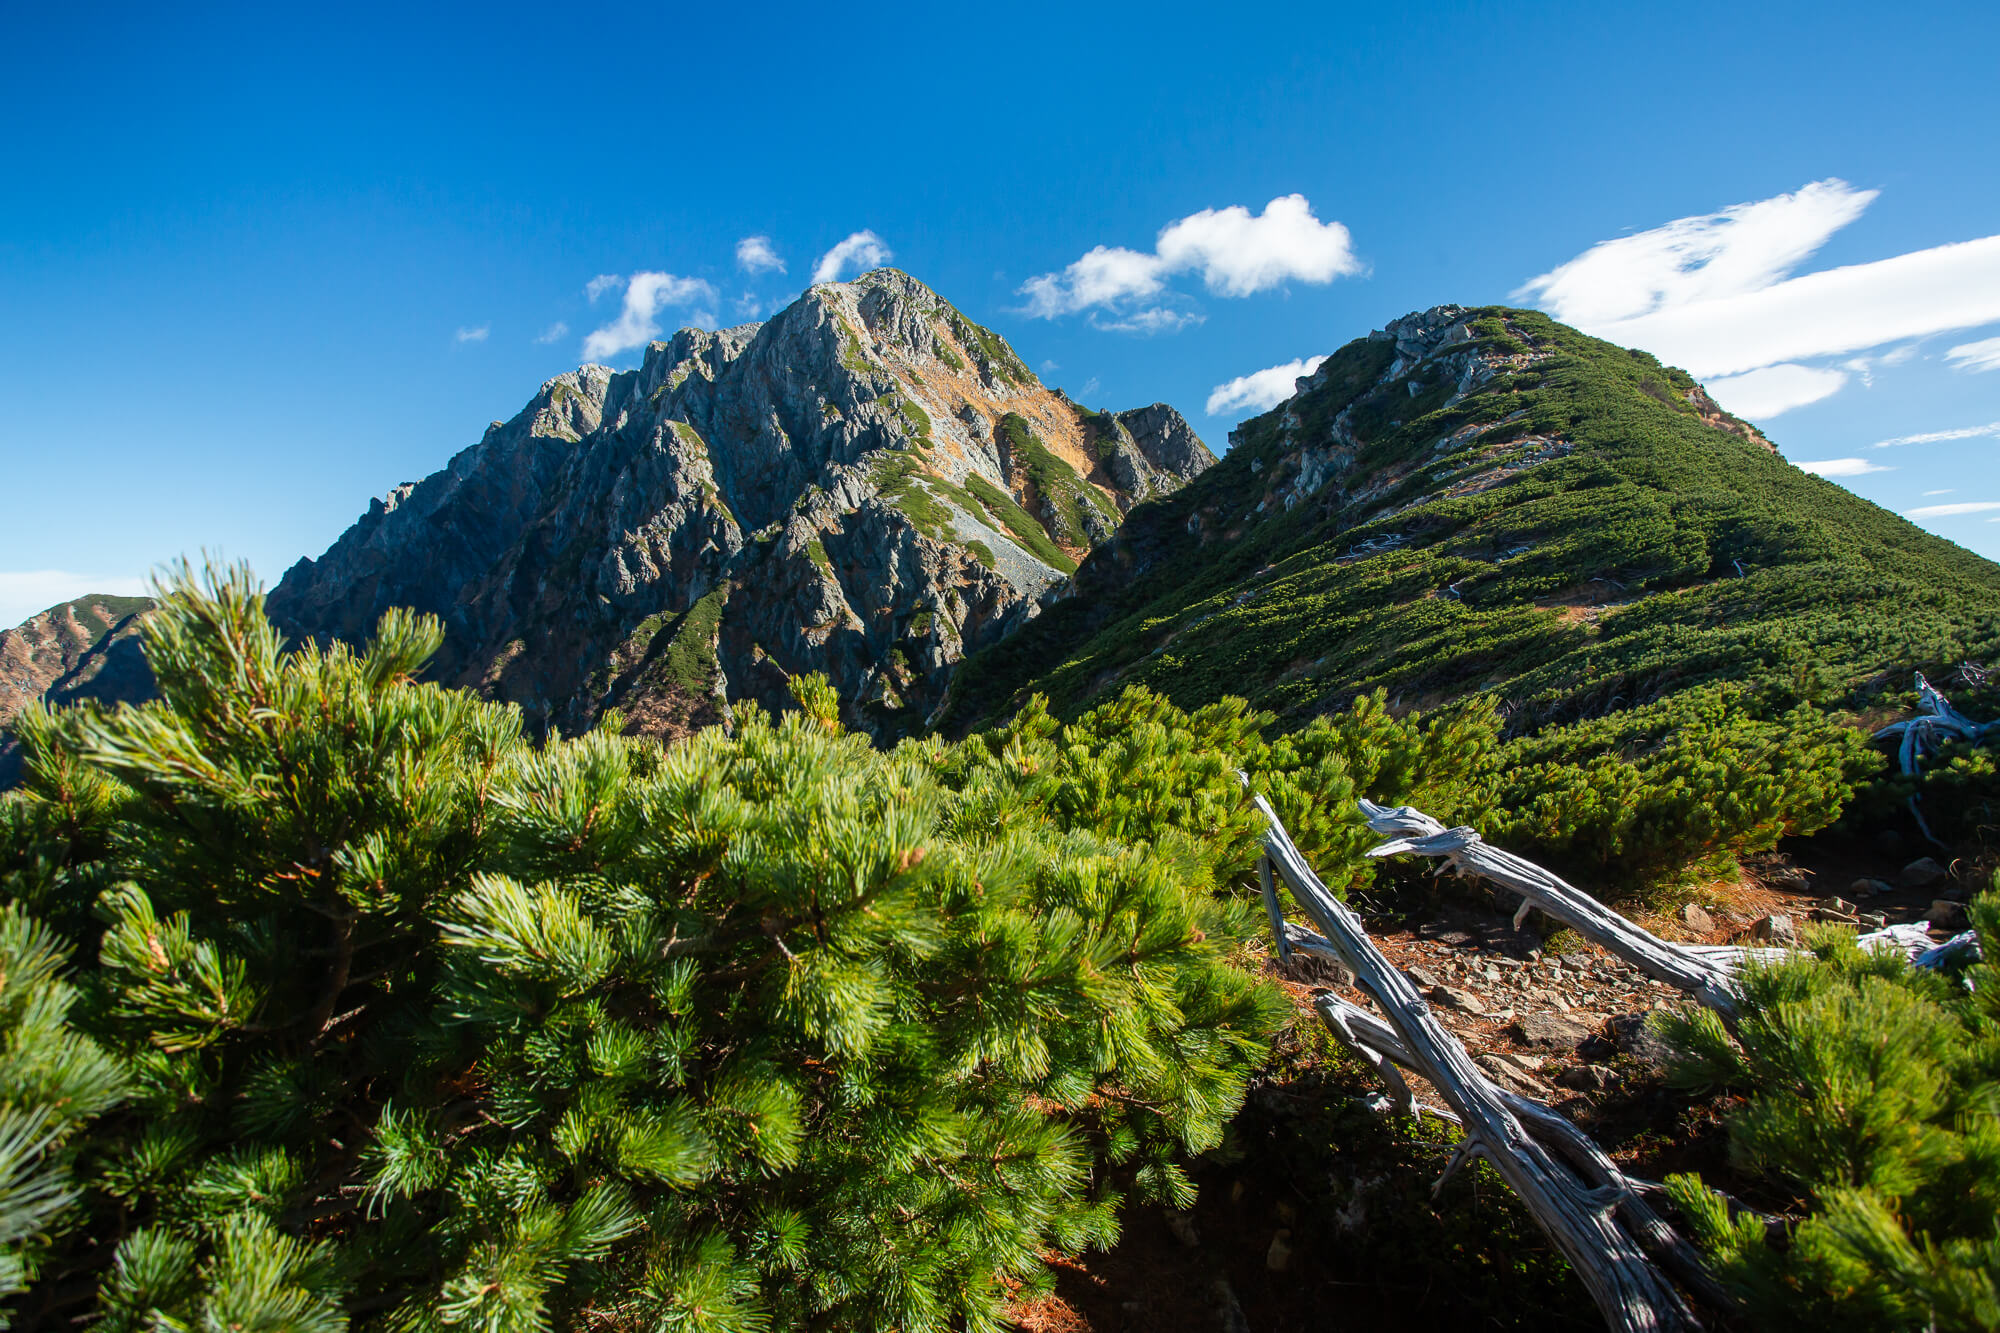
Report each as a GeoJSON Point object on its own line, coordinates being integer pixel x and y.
{"type": "Point", "coordinates": [1865, 1087]}
{"type": "Point", "coordinates": [329, 999]}
{"type": "Point", "coordinates": [1628, 551]}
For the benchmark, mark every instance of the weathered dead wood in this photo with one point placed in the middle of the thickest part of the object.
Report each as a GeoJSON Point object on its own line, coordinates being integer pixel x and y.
{"type": "Point", "coordinates": [1582, 1218]}
{"type": "Point", "coordinates": [1706, 972]}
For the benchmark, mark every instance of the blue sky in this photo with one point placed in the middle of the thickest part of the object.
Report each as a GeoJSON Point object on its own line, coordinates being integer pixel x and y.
{"type": "Point", "coordinates": [261, 263]}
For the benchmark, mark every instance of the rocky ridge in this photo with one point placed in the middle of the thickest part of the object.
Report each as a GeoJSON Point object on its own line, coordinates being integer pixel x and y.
{"type": "Point", "coordinates": [869, 484]}
{"type": "Point", "coordinates": [87, 648]}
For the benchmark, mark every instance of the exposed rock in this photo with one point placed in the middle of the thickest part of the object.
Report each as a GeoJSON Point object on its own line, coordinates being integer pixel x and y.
{"type": "Point", "coordinates": [1696, 918]}
{"type": "Point", "coordinates": [1636, 1038]}
{"type": "Point", "coordinates": [1587, 1078]}
{"type": "Point", "coordinates": [827, 491]}
{"type": "Point", "coordinates": [1278, 1257]}
{"type": "Point", "coordinates": [83, 649]}
{"type": "Point", "coordinates": [1786, 879]}
{"type": "Point", "coordinates": [1921, 873]}
{"type": "Point", "coordinates": [1944, 914]}
{"type": "Point", "coordinates": [1776, 928]}
{"type": "Point", "coordinates": [1548, 1032]}
{"type": "Point", "coordinates": [1869, 888]}
{"type": "Point", "coordinates": [1462, 1000]}
{"type": "Point", "coordinates": [1510, 1077]}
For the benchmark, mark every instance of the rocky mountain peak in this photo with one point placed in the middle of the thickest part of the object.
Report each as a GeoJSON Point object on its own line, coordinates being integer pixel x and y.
{"type": "Point", "coordinates": [868, 483]}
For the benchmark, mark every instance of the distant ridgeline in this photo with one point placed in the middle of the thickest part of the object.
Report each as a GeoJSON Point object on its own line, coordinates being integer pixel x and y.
{"type": "Point", "coordinates": [867, 485]}
{"type": "Point", "coordinates": [82, 649]}
{"type": "Point", "coordinates": [1485, 501]}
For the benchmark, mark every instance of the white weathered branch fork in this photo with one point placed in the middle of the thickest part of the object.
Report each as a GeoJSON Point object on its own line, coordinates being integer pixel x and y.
{"type": "Point", "coordinates": [1706, 972]}
{"type": "Point", "coordinates": [1591, 1212]}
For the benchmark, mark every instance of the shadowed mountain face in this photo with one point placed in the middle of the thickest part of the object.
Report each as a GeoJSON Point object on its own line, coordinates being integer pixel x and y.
{"type": "Point", "coordinates": [868, 485]}
{"type": "Point", "coordinates": [1485, 500]}
{"type": "Point", "coordinates": [83, 649]}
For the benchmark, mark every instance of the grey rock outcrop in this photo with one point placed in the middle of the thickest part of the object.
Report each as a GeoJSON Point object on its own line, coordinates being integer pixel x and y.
{"type": "Point", "coordinates": [826, 491]}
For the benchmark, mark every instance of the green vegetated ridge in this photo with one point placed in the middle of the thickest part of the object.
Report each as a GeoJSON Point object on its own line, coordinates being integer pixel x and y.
{"type": "Point", "coordinates": [1063, 495]}
{"type": "Point", "coordinates": [1583, 543]}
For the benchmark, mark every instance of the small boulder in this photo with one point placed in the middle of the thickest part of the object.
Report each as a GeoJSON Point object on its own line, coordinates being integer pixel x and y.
{"type": "Point", "coordinates": [1636, 1038]}
{"type": "Point", "coordinates": [1278, 1257]}
{"type": "Point", "coordinates": [1696, 918]}
{"type": "Point", "coordinates": [1946, 915]}
{"type": "Point", "coordinates": [1776, 928]}
{"type": "Point", "coordinates": [1422, 977]}
{"type": "Point", "coordinates": [1870, 888]}
{"type": "Point", "coordinates": [1507, 1076]}
{"type": "Point", "coordinates": [1548, 1032]}
{"type": "Point", "coordinates": [1786, 879]}
{"type": "Point", "coordinates": [1462, 1000]}
{"type": "Point", "coordinates": [1921, 873]}
{"type": "Point", "coordinates": [1872, 920]}
{"type": "Point", "coordinates": [1587, 1078]}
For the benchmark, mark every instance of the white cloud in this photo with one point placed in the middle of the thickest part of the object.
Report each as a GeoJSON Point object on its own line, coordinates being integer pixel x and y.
{"type": "Point", "coordinates": [1939, 436]}
{"type": "Point", "coordinates": [1952, 510]}
{"type": "Point", "coordinates": [1982, 355]}
{"type": "Point", "coordinates": [477, 335]}
{"type": "Point", "coordinates": [747, 305]}
{"type": "Point", "coordinates": [24, 593]}
{"type": "Point", "coordinates": [1765, 393]}
{"type": "Point", "coordinates": [861, 251]}
{"type": "Point", "coordinates": [555, 332]}
{"type": "Point", "coordinates": [1743, 248]}
{"type": "Point", "coordinates": [1236, 254]}
{"type": "Point", "coordinates": [601, 284]}
{"type": "Point", "coordinates": [1844, 467]}
{"type": "Point", "coordinates": [1159, 319]}
{"type": "Point", "coordinates": [1049, 367]}
{"type": "Point", "coordinates": [755, 255]}
{"type": "Point", "coordinates": [637, 324]}
{"type": "Point", "coordinates": [1946, 491]}
{"type": "Point", "coordinates": [1263, 389]}
{"type": "Point", "coordinates": [1711, 293]}
{"type": "Point", "coordinates": [1090, 387]}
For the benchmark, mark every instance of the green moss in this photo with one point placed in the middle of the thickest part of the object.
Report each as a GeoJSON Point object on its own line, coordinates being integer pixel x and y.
{"type": "Point", "coordinates": [981, 552]}
{"type": "Point", "coordinates": [816, 553]}
{"type": "Point", "coordinates": [920, 625]}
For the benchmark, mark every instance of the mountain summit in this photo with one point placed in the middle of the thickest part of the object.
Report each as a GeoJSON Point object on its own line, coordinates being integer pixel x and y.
{"type": "Point", "coordinates": [869, 484]}
{"type": "Point", "coordinates": [1484, 500]}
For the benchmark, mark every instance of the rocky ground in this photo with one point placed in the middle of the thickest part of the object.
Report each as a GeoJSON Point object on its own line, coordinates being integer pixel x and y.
{"type": "Point", "coordinates": [1319, 1216]}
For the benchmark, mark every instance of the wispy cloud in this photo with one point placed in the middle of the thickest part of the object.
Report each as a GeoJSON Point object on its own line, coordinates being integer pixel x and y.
{"type": "Point", "coordinates": [1235, 252]}
{"type": "Point", "coordinates": [601, 284]}
{"type": "Point", "coordinates": [1262, 389]}
{"type": "Point", "coordinates": [1939, 436]}
{"type": "Point", "coordinates": [477, 335]}
{"type": "Point", "coordinates": [1952, 510]}
{"type": "Point", "coordinates": [555, 332]}
{"type": "Point", "coordinates": [1711, 293]}
{"type": "Point", "coordinates": [1154, 319]}
{"type": "Point", "coordinates": [1982, 355]}
{"type": "Point", "coordinates": [24, 593]}
{"type": "Point", "coordinates": [646, 295]}
{"type": "Point", "coordinates": [1946, 491]}
{"type": "Point", "coordinates": [860, 252]}
{"type": "Point", "coordinates": [1843, 467]}
{"type": "Point", "coordinates": [755, 255]}
{"type": "Point", "coordinates": [1762, 394]}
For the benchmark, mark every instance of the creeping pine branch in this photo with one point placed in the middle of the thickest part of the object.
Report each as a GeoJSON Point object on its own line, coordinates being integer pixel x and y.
{"type": "Point", "coordinates": [1706, 973]}
{"type": "Point", "coordinates": [1580, 1210]}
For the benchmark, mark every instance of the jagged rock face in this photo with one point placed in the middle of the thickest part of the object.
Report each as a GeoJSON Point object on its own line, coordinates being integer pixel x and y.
{"type": "Point", "coordinates": [868, 484]}
{"type": "Point", "coordinates": [83, 649]}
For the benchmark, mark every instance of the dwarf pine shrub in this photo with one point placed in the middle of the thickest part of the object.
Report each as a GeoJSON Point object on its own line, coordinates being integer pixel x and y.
{"type": "Point", "coordinates": [1867, 1089]}
{"type": "Point", "coordinates": [327, 998]}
